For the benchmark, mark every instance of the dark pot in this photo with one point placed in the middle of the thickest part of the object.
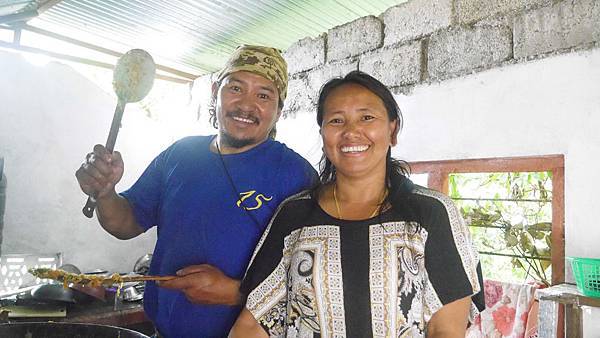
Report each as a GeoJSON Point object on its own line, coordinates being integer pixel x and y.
{"type": "Point", "coordinates": [58, 294]}
{"type": "Point", "coordinates": [65, 330]}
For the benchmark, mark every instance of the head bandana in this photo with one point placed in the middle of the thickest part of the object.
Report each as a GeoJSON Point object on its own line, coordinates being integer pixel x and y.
{"type": "Point", "coordinates": [264, 61]}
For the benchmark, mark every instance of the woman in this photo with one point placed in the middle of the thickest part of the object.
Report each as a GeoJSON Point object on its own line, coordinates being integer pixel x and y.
{"type": "Point", "coordinates": [366, 253]}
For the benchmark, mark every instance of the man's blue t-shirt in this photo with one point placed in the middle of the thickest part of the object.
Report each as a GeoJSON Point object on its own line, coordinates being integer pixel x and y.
{"type": "Point", "coordinates": [199, 213]}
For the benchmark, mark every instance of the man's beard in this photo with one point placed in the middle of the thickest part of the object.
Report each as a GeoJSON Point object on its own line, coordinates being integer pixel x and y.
{"type": "Point", "coordinates": [234, 142]}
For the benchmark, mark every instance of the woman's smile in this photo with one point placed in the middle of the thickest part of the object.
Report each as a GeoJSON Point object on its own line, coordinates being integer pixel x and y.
{"type": "Point", "coordinates": [357, 131]}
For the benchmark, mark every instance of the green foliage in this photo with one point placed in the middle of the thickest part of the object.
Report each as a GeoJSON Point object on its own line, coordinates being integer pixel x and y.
{"type": "Point", "coordinates": [509, 213]}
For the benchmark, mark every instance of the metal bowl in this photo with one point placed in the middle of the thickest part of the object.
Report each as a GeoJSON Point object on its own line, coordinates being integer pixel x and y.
{"type": "Point", "coordinates": [142, 265]}
{"type": "Point", "coordinates": [131, 294]}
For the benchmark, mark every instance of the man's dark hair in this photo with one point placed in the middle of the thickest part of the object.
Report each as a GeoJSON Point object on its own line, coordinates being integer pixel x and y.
{"type": "Point", "coordinates": [396, 170]}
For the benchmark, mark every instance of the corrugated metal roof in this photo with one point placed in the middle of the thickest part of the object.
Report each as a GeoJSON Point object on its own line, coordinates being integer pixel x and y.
{"type": "Point", "coordinates": [196, 36]}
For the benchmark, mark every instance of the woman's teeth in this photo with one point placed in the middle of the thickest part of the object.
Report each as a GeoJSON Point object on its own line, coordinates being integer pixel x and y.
{"type": "Point", "coordinates": [354, 149]}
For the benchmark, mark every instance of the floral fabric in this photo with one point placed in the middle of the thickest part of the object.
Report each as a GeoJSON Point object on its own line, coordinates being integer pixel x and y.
{"type": "Point", "coordinates": [508, 309]}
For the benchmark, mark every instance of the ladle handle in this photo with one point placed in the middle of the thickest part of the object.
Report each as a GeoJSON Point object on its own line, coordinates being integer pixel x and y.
{"type": "Point", "coordinates": [90, 205]}
{"type": "Point", "coordinates": [88, 208]}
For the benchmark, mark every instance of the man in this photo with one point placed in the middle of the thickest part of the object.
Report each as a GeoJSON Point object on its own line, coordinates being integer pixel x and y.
{"type": "Point", "coordinates": [211, 197]}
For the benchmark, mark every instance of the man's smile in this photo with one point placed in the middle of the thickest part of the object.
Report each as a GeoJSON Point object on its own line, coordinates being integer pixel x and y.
{"type": "Point", "coordinates": [243, 119]}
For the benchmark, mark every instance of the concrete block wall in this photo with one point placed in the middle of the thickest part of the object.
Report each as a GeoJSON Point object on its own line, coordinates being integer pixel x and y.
{"type": "Point", "coordinates": [422, 41]}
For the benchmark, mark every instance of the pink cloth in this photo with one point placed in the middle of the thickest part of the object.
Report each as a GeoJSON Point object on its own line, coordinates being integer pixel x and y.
{"type": "Point", "coordinates": [507, 312]}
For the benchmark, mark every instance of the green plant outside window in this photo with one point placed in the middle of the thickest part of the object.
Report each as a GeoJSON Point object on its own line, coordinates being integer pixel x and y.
{"type": "Point", "coordinates": [510, 217]}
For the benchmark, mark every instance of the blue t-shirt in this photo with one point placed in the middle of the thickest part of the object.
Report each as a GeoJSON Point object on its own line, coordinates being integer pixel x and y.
{"type": "Point", "coordinates": [188, 195]}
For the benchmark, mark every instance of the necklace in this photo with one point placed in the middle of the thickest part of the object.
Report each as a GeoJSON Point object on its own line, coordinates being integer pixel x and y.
{"type": "Point", "coordinates": [235, 190]}
{"type": "Point", "coordinates": [337, 205]}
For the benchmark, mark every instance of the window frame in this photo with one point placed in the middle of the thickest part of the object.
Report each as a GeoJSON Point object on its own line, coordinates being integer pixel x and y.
{"type": "Point", "coordinates": [437, 179]}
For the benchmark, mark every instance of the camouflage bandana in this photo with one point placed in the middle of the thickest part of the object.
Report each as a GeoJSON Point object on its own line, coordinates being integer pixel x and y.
{"type": "Point", "coordinates": [264, 61]}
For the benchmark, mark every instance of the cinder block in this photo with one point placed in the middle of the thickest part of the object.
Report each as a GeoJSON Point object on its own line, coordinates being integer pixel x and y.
{"type": "Point", "coordinates": [416, 18]}
{"type": "Point", "coordinates": [564, 25]}
{"type": "Point", "coordinates": [468, 11]}
{"type": "Point", "coordinates": [305, 54]}
{"type": "Point", "coordinates": [495, 21]}
{"type": "Point", "coordinates": [462, 49]}
{"type": "Point", "coordinates": [297, 98]}
{"type": "Point", "coordinates": [354, 38]}
{"type": "Point", "coordinates": [394, 66]}
{"type": "Point", "coordinates": [318, 76]}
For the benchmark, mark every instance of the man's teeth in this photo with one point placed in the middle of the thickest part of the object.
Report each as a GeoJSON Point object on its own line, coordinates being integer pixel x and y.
{"type": "Point", "coordinates": [354, 149]}
{"type": "Point", "coordinates": [241, 119]}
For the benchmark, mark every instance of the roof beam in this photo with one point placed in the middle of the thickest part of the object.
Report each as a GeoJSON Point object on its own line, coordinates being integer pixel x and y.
{"type": "Point", "coordinates": [22, 16]}
{"type": "Point", "coordinates": [77, 59]}
{"type": "Point", "coordinates": [96, 48]}
{"type": "Point", "coordinates": [101, 49]}
{"type": "Point", "coordinates": [28, 14]}
{"type": "Point", "coordinates": [47, 5]}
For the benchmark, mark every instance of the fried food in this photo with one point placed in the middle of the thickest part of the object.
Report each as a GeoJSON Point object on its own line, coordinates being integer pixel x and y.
{"type": "Point", "coordinates": [82, 279]}
{"type": "Point", "coordinates": [91, 280]}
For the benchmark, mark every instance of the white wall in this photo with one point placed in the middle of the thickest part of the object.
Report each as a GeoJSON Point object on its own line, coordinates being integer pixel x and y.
{"type": "Point", "coordinates": [548, 106]}
{"type": "Point", "coordinates": [50, 117]}
{"type": "Point", "coordinates": [541, 107]}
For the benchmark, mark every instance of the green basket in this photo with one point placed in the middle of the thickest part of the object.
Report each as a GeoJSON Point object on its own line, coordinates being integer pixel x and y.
{"type": "Point", "coordinates": [587, 275]}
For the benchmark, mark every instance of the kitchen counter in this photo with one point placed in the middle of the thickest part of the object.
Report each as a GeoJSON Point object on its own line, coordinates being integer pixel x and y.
{"type": "Point", "coordinates": [103, 313]}
{"type": "Point", "coordinates": [128, 314]}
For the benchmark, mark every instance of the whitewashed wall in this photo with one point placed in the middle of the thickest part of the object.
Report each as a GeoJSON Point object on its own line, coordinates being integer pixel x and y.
{"type": "Point", "coordinates": [550, 106]}
{"type": "Point", "coordinates": [50, 117]}
{"type": "Point", "coordinates": [541, 107]}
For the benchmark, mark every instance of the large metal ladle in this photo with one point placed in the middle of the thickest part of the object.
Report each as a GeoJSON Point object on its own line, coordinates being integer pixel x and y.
{"type": "Point", "coordinates": [133, 78]}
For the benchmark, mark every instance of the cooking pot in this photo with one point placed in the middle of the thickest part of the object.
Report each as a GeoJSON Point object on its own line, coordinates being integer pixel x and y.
{"type": "Point", "coordinates": [65, 330]}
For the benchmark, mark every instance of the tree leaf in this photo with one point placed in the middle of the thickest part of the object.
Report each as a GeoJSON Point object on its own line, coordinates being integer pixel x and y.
{"type": "Point", "coordinates": [538, 235]}
{"type": "Point", "coordinates": [511, 239]}
{"type": "Point", "coordinates": [545, 264]}
{"type": "Point", "coordinates": [526, 243]}
{"type": "Point", "coordinates": [517, 263]}
{"type": "Point", "coordinates": [548, 239]}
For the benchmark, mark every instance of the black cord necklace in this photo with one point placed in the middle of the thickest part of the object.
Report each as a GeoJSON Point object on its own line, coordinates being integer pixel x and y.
{"type": "Point", "coordinates": [235, 190]}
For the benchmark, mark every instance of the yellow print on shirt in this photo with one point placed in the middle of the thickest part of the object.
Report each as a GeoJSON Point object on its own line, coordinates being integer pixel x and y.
{"type": "Point", "coordinates": [258, 198]}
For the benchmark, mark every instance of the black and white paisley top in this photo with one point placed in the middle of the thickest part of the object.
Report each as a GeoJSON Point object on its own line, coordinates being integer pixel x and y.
{"type": "Point", "coordinates": [313, 275]}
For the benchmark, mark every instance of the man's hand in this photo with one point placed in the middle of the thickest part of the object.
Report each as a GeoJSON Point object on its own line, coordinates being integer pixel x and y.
{"type": "Point", "coordinates": [205, 284]}
{"type": "Point", "coordinates": [100, 172]}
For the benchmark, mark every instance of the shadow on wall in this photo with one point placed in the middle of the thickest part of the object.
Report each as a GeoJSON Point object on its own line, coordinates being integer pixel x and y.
{"type": "Point", "coordinates": [2, 199]}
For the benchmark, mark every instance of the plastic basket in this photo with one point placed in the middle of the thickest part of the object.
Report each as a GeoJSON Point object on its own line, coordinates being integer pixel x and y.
{"type": "Point", "coordinates": [587, 275]}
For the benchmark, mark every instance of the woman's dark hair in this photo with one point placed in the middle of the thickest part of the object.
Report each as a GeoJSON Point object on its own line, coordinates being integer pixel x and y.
{"type": "Point", "coordinates": [396, 170]}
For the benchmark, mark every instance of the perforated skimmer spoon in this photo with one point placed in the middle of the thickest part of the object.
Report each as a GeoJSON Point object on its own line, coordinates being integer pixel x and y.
{"type": "Point", "coordinates": [133, 78]}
